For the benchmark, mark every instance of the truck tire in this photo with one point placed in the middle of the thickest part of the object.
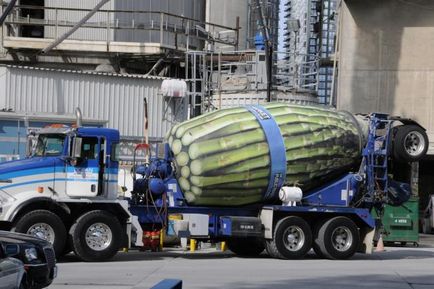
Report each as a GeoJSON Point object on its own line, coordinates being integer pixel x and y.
{"type": "Point", "coordinates": [315, 233]}
{"type": "Point", "coordinates": [292, 238]}
{"type": "Point", "coordinates": [272, 250]}
{"type": "Point", "coordinates": [45, 225]}
{"type": "Point", "coordinates": [338, 238]}
{"type": "Point", "coordinates": [410, 143]}
{"type": "Point", "coordinates": [246, 247]}
{"type": "Point", "coordinates": [96, 236]}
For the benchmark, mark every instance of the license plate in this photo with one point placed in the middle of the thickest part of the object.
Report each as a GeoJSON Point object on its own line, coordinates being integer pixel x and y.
{"type": "Point", "coordinates": [54, 272]}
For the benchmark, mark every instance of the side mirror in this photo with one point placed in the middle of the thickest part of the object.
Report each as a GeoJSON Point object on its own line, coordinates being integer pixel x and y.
{"type": "Point", "coordinates": [29, 147]}
{"type": "Point", "coordinates": [11, 250]}
{"type": "Point", "coordinates": [31, 143]}
{"type": "Point", "coordinates": [76, 148]}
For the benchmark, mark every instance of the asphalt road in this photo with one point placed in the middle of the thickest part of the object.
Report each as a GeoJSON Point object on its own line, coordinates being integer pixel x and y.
{"type": "Point", "coordinates": [398, 267]}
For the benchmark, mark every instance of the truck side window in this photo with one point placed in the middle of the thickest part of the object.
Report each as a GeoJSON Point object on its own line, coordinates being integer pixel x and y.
{"type": "Point", "coordinates": [114, 156]}
{"type": "Point", "coordinates": [89, 147]}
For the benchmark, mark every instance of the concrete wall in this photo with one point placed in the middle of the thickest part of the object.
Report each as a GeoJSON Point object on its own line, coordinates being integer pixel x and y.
{"type": "Point", "coordinates": [387, 59]}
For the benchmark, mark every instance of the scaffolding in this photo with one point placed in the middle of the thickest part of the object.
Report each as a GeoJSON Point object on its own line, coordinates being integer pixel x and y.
{"type": "Point", "coordinates": [210, 74]}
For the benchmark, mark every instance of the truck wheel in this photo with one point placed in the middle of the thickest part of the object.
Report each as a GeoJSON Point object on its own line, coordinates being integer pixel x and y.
{"type": "Point", "coordinates": [315, 233]}
{"type": "Point", "coordinates": [96, 236]}
{"type": "Point", "coordinates": [246, 247]}
{"type": "Point", "coordinates": [44, 225]}
{"type": "Point", "coordinates": [338, 238]}
{"type": "Point", "coordinates": [410, 143]}
{"type": "Point", "coordinates": [292, 238]}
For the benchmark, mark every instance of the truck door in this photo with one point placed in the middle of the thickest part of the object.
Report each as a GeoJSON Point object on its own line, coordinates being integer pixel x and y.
{"type": "Point", "coordinates": [83, 179]}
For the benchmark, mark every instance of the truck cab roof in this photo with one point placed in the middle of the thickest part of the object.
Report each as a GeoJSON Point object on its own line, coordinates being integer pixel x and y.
{"type": "Point", "coordinates": [81, 131]}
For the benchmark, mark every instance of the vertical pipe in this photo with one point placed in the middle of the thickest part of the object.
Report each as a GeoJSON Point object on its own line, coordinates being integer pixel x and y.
{"type": "Point", "coordinates": [203, 86]}
{"type": "Point", "coordinates": [161, 27]}
{"type": "Point", "coordinates": [187, 103]}
{"type": "Point", "coordinates": [237, 46]}
{"type": "Point", "coordinates": [219, 78]}
{"type": "Point", "coordinates": [194, 75]}
{"type": "Point", "coordinates": [337, 46]}
{"type": "Point", "coordinates": [57, 24]}
{"type": "Point", "coordinates": [268, 48]}
{"type": "Point", "coordinates": [108, 31]}
{"type": "Point", "coordinates": [2, 29]}
{"type": "Point", "coordinates": [249, 15]}
{"type": "Point", "coordinates": [18, 136]}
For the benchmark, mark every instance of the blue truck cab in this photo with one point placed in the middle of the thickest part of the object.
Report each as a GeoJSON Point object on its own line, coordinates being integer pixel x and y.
{"type": "Point", "coordinates": [67, 188]}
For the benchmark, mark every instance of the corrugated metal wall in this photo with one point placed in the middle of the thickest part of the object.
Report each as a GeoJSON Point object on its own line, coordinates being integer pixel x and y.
{"type": "Point", "coordinates": [117, 99]}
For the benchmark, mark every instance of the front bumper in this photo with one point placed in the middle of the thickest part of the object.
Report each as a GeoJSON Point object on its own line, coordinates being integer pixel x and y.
{"type": "Point", "coordinates": [41, 275]}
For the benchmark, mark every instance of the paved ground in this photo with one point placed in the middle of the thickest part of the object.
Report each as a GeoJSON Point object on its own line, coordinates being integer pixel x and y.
{"type": "Point", "coordinates": [398, 267]}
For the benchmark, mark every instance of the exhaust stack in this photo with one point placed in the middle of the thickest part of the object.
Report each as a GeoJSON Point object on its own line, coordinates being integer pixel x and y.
{"type": "Point", "coordinates": [78, 116]}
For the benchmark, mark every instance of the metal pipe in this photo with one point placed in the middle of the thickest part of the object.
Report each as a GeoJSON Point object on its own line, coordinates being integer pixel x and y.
{"type": "Point", "coordinates": [7, 11]}
{"type": "Point", "coordinates": [268, 49]}
{"type": "Point", "coordinates": [337, 47]}
{"type": "Point", "coordinates": [145, 127]}
{"type": "Point", "coordinates": [79, 118]}
{"type": "Point", "coordinates": [74, 28]}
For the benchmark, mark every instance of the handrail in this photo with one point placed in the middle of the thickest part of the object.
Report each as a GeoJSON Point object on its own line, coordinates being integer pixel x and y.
{"type": "Point", "coordinates": [124, 11]}
{"type": "Point", "coordinates": [164, 22]}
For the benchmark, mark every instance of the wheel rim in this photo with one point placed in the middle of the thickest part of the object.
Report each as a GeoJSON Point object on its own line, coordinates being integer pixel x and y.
{"type": "Point", "coordinates": [342, 239]}
{"type": "Point", "coordinates": [42, 231]}
{"type": "Point", "coordinates": [414, 143]}
{"type": "Point", "coordinates": [293, 238]}
{"type": "Point", "coordinates": [99, 236]}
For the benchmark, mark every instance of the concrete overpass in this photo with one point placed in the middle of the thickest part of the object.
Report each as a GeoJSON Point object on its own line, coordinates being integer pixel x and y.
{"type": "Point", "coordinates": [386, 60]}
{"type": "Point", "coordinates": [386, 64]}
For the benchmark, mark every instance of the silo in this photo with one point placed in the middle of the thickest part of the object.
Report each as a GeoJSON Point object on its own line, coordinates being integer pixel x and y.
{"type": "Point", "coordinates": [225, 12]}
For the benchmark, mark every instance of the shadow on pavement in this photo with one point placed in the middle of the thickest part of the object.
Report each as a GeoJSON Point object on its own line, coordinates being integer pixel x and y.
{"type": "Point", "coordinates": [388, 254]}
{"type": "Point", "coordinates": [386, 281]}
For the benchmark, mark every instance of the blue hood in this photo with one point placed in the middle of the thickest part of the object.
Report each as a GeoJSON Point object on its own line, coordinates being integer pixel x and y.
{"type": "Point", "coordinates": [30, 166]}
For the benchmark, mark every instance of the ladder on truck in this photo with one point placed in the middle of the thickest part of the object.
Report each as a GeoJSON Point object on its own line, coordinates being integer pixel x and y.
{"type": "Point", "coordinates": [376, 154]}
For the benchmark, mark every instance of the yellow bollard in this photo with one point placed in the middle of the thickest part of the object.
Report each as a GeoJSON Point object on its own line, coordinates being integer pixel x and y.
{"type": "Point", "coordinates": [162, 235]}
{"type": "Point", "coordinates": [193, 244]}
{"type": "Point", "coordinates": [223, 246]}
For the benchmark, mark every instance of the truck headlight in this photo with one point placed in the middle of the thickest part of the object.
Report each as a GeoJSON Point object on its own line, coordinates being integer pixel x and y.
{"type": "Point", "coordinates": [31, 254]}
{"type": "Point", "coordinates": [5, 198]}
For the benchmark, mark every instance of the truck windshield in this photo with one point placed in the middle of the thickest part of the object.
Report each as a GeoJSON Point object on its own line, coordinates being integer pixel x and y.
{"type": "Point", "coordinates": [49, 145]}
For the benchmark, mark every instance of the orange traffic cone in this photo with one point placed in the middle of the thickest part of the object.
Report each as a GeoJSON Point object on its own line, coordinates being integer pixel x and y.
{"type": "Point", "coordinates": [380, 244]}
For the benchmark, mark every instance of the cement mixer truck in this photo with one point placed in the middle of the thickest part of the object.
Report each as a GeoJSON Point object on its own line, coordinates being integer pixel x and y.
{"type": "Point", "coordinates": [279, 178]}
